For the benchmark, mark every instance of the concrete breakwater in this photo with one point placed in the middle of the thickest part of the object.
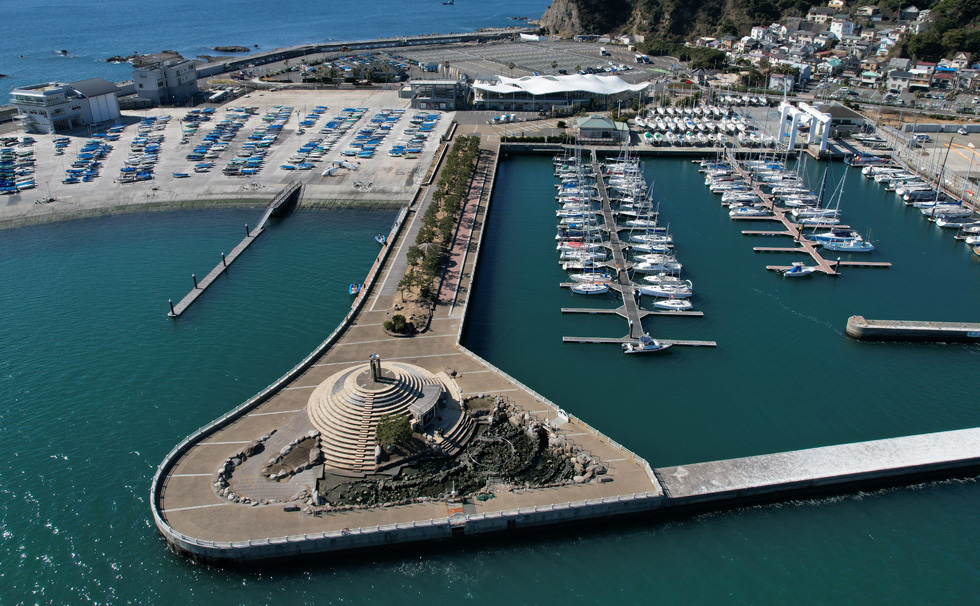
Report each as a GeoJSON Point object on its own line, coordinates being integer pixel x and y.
{"type": "Point", "coordinates": [863, 329]}
{"type": "Point", "coordinates": [637, 489]}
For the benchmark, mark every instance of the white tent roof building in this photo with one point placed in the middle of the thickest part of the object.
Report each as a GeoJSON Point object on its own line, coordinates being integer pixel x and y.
{"type": "Point", "coordinates": [535, 93]}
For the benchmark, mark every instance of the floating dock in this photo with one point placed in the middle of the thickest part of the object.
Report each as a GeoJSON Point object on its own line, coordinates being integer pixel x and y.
{"type": "Point", "coordinates": [858, 327]}
{"type": "Point", "coordinates": [621, 283]}
{"type": "Point", "coordinates": [284, 199]}
{"type": "Point", "coordinates": [793, 230]}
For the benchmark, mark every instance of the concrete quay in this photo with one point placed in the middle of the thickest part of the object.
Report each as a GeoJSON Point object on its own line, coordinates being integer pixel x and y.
{"type": "Point", "coordinates": [197, 523]}
{"type": "Point", "coordinates": [863, 329]}
{"type": "Point", "coordinates": [820, 470]}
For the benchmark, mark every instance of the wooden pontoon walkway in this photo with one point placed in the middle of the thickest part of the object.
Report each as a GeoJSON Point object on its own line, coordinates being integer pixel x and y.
{"type": "Point", "coordinates": [201, 285]}
{"type": "Point", "coordinates": [621, 283]}
{"type": "Point", "coordinates": [792, 230]}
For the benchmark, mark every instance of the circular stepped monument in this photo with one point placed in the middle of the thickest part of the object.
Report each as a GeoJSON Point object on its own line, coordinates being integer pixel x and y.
{"type": "Point", "coordinates": [347, 407]}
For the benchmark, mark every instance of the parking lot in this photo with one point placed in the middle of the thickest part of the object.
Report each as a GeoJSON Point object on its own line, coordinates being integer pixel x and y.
{"type": "Point", "coordinates": [382, 177]}
{"type": "Point", "coordinates": [544, 58]}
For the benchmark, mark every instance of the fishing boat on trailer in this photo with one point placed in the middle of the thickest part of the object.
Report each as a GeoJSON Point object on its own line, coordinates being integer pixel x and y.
{"type": "Point", "coordinates": [646, 344]}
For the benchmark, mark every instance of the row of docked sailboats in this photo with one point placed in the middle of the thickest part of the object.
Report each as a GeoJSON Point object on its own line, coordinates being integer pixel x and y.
{"type": "Point", "coordinates": [933, 203]}
{"type": "Point", "coordinates": [649, 244]}
{"type": "Point", "coordinates": [788, 189]}
{"type": "Point", "coordinates": [580, 240]}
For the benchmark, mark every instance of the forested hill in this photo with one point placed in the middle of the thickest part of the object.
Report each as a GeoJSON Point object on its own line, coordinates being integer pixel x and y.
{"type": "Point", "coordinates": [956, 23]}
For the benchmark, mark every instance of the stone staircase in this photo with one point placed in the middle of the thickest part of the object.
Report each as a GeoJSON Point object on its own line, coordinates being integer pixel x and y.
{"type": "Point", "coordinates": [348, 416]}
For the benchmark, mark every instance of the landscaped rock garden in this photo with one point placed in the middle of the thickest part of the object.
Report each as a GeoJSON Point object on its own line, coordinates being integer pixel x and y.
{"type": "Point", "coordinates": [511, 451]}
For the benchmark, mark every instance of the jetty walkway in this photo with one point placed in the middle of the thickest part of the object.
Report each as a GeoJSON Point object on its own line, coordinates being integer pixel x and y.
{"type": "Point", "coordinates": [283, 200]}
{"type": "Point", "coordinates": [622, 283]}
{"type": "Point", "coordinates": [793, 230]}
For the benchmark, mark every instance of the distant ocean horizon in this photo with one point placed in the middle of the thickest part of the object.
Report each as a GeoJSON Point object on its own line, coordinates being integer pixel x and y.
{"type": "Point", "coordinates": [36, 33]}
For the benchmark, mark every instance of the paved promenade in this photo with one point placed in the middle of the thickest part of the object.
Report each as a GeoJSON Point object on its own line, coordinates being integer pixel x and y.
{"type": "Point", "coordinates": [189, 504]}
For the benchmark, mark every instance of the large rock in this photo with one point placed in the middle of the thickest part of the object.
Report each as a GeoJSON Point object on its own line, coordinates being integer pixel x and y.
{"type": "Point", "coordinates": [579, 479]}
{"type": "Point", "coordinates": [253, 449]}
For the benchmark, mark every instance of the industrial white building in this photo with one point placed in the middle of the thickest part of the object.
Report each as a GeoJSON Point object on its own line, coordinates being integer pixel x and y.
{"type": "Point", "coordinates": [547, 93]}
{"type": "Point", "coordinates": [171, 82]}
{"type": "Point", "coordinates": [55, 107]}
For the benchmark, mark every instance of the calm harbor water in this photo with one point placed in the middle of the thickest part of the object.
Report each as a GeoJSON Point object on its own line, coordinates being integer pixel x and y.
{"type": "Point", "coordinates": [97, 385]}
{"type": "Point", "coordinates": [34, 33]}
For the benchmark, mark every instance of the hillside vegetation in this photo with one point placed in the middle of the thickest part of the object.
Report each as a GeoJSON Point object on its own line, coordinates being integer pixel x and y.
{"type": "Point", "coordinates": [956, 22]}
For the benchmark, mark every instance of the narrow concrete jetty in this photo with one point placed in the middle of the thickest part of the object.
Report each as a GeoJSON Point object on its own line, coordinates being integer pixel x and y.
{"type": "Point", "coordinates": [283, 200]}
{"type": "Point", "coordinates": [814, 470]}
{"type": "Point", "coordinates": [858, 327]}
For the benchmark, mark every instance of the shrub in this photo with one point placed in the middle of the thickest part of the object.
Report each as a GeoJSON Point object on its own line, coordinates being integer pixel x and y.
{"type": "Point", "coordinates": [393, 429]}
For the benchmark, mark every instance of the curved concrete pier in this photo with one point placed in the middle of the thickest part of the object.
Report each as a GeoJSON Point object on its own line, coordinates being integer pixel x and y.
{"type": "Point", "coordinates": [200, 524]}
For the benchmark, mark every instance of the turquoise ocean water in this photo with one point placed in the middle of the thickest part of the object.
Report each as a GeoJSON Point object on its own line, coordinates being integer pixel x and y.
{"type": "Point", "coordinates": [97, 385]}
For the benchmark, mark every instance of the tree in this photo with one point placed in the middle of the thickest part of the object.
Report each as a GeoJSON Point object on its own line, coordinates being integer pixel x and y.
{"type": "Point", "coordinates": [511, 67]}
{"type": "Point", "coordinates": [393, 429]}
{"type": "Point", "coordinates": [554, 66]}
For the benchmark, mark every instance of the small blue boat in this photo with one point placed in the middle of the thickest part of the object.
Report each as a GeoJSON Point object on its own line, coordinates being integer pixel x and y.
{"type": "Point", "coordinates": [354, 288]}
{"type": "Point", "coordinates": [380, 239]}
{"type": "Point", "coordinates": [181, 175]}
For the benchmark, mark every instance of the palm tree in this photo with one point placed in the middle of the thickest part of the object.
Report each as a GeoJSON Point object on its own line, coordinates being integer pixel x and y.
{"type": "Point", "coordinates": [445, 66]}
{"type": "Point", "coordinates": [554, 66]}
{"type": "Point", "coordinates": [511, 67]}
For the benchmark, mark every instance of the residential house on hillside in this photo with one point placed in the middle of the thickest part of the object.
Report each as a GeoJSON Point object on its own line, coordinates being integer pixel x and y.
{"type": "Point", "coordinates": [869, 12]}
{"type": "Point", "coordinates": [899, 63]}
{"type": "Point", "coordinates": [968, 79]}
{"type": "Point", "coordinates": [842, 27]}
{"type": "Point", "coordinates": [898, 81]}
{"type": "Point", "coordinates": [870, 79]}
{"type": "Point", "coordinates": [824, 40]}
{"type": "Point", "coordinates": [781, 82]}
{"type": "Point", "coordinates": [944, 79]}
{"type": "Point", "coordinates": [921, 76]}
{"type": "Point", "coordinates": [837, 4]}
{"type": "Point", "coordinates": [746, 44]}
{"type": "Point", "coordinates": [910, 13]}
{"type": "Point", "coordinates": [830, 67]}
{"type": "Point", "coordinates": [960, 61]}
{"type": "Point", "coordinates": [820, 14]}
{"type": "Point", "coordinates": [727, 42]}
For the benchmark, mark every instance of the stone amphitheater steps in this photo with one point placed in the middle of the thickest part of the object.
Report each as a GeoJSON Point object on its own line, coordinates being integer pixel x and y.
{"type": "Point", "coordinates": [348, 414]}
{"type": "Point", "coordinates": [457, 437]}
